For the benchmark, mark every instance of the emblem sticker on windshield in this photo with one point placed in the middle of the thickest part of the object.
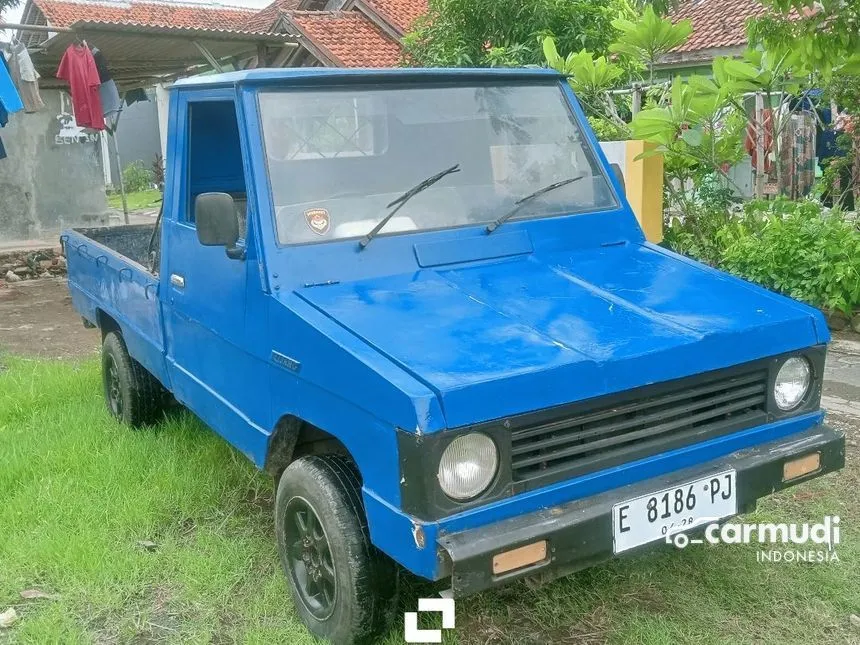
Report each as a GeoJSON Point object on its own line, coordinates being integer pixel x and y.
{"type": "Point", "coordinates": [318, 219]}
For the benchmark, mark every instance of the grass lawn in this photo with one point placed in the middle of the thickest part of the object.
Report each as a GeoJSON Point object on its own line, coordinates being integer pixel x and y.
{"type": "Point", "coordinates": [136, 201]}
{"type": "Point", "coordinates": [78, 495]}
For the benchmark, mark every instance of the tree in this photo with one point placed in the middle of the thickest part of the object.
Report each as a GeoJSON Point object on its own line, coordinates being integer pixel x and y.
{"type": "Point", "coordinates": [8, 4]}
{"type": "Point", "coordinates": [592, 78]}
{"type": "Point", "coordinates": [484, 33]}
{"type": "Point", "coordinates": [698, 129]}
{"type": "Point", "coordinates": [640, 44]}
{"type": "Point", "coordinates": [824, 33]}
{"type": "Point", "coordinates": [649, 38]}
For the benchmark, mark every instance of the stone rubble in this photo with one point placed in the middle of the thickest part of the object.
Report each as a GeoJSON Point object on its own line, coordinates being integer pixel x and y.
{"type": "Point", "coordinates": [32, 263]}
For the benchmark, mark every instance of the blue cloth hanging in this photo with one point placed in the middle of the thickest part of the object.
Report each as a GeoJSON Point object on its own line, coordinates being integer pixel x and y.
{"type": "Point", "coordinates": [9, 97]}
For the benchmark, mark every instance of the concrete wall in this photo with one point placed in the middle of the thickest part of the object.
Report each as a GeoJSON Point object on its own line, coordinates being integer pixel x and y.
{"type": "Point", "coordinates": [52, 175]}
{"type": "Point", "coordinates": [137, 136]}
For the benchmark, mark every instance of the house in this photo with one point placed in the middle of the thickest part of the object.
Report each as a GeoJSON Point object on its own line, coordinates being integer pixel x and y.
{"type": "Point", "coordinates": [143, 41]}
{"type": "Point", "coordinates": [65, 13]}
{"type": "Point", "coordinates": [147, 42]}
{"type": "Point", "coordinates": [336, 33]}
{"type": "Point", "coordinates": [719, 29]}
{"type": "Point", "coordinates": [341, 33]}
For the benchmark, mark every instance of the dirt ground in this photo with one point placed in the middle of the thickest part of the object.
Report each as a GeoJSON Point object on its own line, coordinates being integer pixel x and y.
{"type": "Point", "coordinates": [37, 319]}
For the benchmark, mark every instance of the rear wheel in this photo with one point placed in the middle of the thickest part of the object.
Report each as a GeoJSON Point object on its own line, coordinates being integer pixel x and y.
{"type": "Point", "coordinates": [133, 395]}
{"type": "Point", "coordinates": [344, 589]}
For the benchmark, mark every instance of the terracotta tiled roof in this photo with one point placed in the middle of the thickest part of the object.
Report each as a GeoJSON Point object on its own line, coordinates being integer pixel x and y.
{"type": "Point", "coordinates": [347, 37]}
{"type": "Point", "coordinates": [717, 23]}
{"type": "Point", "coordinates": [265, 19]}
{"type": "Point", "coordinates": [400, 13]}
{"type": "Point", "coordinates": [144, 13]}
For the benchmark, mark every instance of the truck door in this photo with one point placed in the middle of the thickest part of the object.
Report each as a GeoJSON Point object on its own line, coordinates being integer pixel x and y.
{"type": "Point", "coordinates": [211, 299]}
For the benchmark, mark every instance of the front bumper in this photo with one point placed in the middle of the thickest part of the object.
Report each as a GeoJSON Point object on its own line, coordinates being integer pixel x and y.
{"type": "Point", "coordinates": [579, 533]}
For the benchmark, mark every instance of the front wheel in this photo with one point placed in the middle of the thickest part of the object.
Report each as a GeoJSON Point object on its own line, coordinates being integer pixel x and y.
{"type": "Point", "coordinates": [344, 589]}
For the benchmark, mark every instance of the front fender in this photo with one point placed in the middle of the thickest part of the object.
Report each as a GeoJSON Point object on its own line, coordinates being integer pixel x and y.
{"type": "Point", "coordinates": [323, 374]}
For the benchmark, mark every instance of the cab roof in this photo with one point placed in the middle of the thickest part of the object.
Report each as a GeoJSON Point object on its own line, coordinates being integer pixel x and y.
{"type": "Point", "coordinates": [302, 75]}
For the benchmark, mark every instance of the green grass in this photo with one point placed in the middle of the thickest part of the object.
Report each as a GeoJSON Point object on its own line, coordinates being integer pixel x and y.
{"type": "Point", "coordinates": [144, 199]}
{"type": "Point", "coordinates": [78, 493]}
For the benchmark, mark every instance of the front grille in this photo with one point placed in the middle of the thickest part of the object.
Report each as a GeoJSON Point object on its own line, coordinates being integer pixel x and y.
{"type": "Point", "coordinates": [603, 435]}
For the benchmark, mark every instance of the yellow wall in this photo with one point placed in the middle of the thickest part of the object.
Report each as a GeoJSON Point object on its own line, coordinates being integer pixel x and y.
{"type": "Point", "coordinates": [644, 182]}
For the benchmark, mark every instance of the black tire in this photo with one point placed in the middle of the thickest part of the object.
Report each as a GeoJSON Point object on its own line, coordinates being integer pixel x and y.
{"type": "Point", "coordinates": [356, 585]}
{"type": "Point", "coordinates": [133, 395]}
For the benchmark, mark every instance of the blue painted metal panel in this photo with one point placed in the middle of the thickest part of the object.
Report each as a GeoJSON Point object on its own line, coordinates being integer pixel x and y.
{"type": "Point", "coordinates": [394, 533]}
{"type": "Point", "coordinates": [332, 358]}
{"type": "Point", "coordinates": [101, 278]}
{"type": "Point", "coordinates": [335, 395]}
{"type": "Point", "coordinates": [506, 337]}
{"type": "Point", "coordinates": [214, 366]}
{"type": "Point", "coordinates": [486, 247]}
{"type": "Point", "coordinates": [425, 330]}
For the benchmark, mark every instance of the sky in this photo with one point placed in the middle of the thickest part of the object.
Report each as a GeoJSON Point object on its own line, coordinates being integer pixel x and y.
{"type": "Point", "coordinates": [14, 15]}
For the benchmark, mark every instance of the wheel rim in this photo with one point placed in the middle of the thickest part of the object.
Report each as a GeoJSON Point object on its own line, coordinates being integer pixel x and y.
{"type": "Point", "coordinates": [112, 386]}
{"type": "Point", "coordinates": [309, 554]}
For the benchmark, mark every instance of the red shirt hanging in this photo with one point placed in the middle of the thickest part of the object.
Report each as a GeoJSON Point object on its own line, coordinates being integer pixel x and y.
{"type": "Point", "coordinates": [79, 68]}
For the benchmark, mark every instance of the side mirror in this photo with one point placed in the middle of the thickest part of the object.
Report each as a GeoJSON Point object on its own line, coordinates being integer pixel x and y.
{"type": "Point", "coordinates": [217, 222]}
{"type": "Point", "coordinates": [616, 170]}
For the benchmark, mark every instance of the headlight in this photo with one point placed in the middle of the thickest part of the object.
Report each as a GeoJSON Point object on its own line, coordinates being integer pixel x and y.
{"type": "Point", "coordinates": [468, 466]}
{"type": "Point", "coordinates": [792, 383]}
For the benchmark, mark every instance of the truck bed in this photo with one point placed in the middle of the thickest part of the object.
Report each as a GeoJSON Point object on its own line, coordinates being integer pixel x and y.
{"type": "Point", "coordinates": [112, 287]}
{"type": "Point", "coordinates": [130, 241]}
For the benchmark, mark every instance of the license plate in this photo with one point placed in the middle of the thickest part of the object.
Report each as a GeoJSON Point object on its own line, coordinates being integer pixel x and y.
{"type": "Point", "coordinates": [652, 517]}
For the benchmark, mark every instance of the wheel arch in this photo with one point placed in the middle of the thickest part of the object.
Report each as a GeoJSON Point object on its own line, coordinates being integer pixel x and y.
{"type": "Point", "coordinates": [106, 323]}
{"type": "Point", "coordinates": [293, 437]}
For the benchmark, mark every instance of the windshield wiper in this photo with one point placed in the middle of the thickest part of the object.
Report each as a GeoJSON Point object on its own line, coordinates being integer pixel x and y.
{"type": "Point", "coordinates": [522, 200]}
{"type": "Point", "coordinates": [405, 197]}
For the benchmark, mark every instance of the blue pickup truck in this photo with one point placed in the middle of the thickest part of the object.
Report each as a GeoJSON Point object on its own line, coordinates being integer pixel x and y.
{"type": "Point", "coordinates": [420, 300]}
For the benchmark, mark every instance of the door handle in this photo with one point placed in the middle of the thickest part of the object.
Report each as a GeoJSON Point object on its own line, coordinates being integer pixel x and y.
{"type": "Point", "coordinates": [177, 281]}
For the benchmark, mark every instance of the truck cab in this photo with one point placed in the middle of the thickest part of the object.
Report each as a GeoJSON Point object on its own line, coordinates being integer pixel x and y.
{"type": "Point", "coordinates": [420, 299]}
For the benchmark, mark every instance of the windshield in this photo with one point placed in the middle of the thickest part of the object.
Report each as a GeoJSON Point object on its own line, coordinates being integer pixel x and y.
{"type": "Point", "coordinates": [338, 157]}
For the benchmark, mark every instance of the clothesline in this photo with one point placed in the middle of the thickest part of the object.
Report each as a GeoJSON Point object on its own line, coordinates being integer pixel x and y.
{"type": "Point", "coordinates": [19, 84]}
{"type": "Point", "coordinates": [95, 98]}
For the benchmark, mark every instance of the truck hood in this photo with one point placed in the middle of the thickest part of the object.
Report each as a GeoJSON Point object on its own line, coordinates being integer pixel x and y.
{"type": "Point", "coordinates": [506, 337]}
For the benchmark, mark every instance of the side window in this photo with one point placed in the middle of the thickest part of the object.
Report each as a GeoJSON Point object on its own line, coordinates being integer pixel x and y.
{"type": "Point", "coordinates": [215, 157]}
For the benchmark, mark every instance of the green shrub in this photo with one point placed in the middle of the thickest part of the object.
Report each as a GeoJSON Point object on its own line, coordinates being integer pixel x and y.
{"type": "Point", "coordinates": [795, 248]}
{"type": "Point", "coordinates": [606, 130]}
{"type": "Point", "coordinates": [136, 177]}
{"type": "Point", "coordinates": [698, 234]}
